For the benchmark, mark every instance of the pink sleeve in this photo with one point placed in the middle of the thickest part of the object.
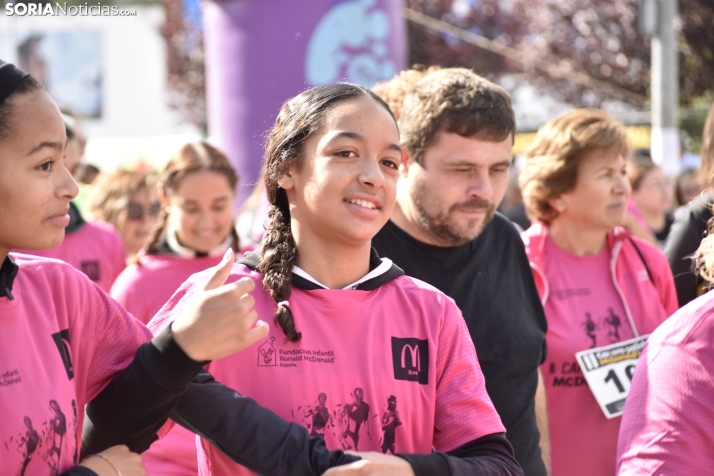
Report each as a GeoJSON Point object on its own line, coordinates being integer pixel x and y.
{"type": "Point", "coordinates": [127, 291]}
{"type": "Point", "coordinates": [108, 337]}
{"type": "Point", "coordinates": [119, 259]}
{"type": "Point", "coordinates": [464, 411]}
{"type": "Point", "coordinates": [166, 315]}
{"type": "Point", "coordinates": [668, 423]}
{"type": "Point", "coordinates": [175, 305]}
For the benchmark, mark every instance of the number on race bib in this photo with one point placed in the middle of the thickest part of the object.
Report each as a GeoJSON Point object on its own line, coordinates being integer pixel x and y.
{"type": "Point", "coordinates": [609, 370]}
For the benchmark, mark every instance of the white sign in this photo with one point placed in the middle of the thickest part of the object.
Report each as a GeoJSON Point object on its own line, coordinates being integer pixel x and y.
{"type": "Point", "coordinates": [609, 370]}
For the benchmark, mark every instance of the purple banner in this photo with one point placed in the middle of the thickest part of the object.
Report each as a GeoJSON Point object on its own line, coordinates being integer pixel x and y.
{"type": "Point", "coordinates": [259, 53]}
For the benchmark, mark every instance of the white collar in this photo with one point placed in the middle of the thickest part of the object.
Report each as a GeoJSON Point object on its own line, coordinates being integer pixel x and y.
{"type": "Point", "coordinates": [385, 266]}
{"type": "Point", "coordinates": [188, 253]}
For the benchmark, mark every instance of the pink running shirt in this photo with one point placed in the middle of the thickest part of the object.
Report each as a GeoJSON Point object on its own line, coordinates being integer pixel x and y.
{"type": "Point", "coordinates": [668, 424]}
{"type": "Point", "coordinates": [96, 249]}
{"type": "Point", "coordinates": [61, 341]}
{"type": "Point", "coordinates": [388, 370]}
{"type": "Point", "coordinates": [143, 289]}
{"type": "Point", "coordinates": [583, 310]}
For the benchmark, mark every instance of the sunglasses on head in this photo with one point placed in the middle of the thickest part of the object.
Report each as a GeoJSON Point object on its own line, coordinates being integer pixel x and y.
{"type": "Point", "coordinates": [137, 211]}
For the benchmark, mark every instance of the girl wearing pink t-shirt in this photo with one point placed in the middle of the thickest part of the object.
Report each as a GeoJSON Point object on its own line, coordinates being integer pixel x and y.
{"type": "Point", "coordinates": [668, 422]}
{"type": "Point", "coordinates": [599, 285]}
{"type": "Point", "coordinates": [66, 347]}
{"type": "Point", "coordinates": [374, 361]}
{"type": "Point", "coordinates": [194, 230]}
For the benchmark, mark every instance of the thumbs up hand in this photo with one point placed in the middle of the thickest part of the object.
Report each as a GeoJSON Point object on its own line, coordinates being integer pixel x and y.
{"type": "Point", "coordinates": [219, 319]}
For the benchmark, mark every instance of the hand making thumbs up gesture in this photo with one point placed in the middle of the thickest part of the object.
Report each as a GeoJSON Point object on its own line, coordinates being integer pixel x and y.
{"type": "Point", "coordinates": [219, 319]}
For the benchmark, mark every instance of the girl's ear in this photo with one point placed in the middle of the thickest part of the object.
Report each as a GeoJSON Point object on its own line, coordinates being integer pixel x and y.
{"type": "Point", "coordinates": [557, 204]}
{"type": "Point", "coordinates": [163, 198]}
{"type": "Point", "coordinates": [286, 181]}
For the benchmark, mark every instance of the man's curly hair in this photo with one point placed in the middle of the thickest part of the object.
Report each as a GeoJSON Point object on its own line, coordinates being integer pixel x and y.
{"type": "Point", "coordinates": [454, 100]}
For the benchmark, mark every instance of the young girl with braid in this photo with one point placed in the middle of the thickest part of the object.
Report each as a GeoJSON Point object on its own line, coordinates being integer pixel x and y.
{"type": "Point", "coordinates": [351, 328]}
{"type": "Point", "coordinates": [68, 350]}
{"type": "Point", "coordinates": [194, 230]}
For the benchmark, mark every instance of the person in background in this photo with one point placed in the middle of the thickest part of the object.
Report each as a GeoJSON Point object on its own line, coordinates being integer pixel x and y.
{"type": "Point", "coordinates": [444, 230]}
{"type": "Point", "coordinates": [194, 230]}
{"type": "Point", "coordinates": [651, 198]}
{"type": "Point", "coordinates": [250, 224]}
{"type": "Point", "coordinates": [690, 224]}
{"type": "Point", "coordinates": [128, 201]}
{"type": "Point", "coordinates": [598, 284]}
{"type": "Point", "coordinates": [93, 247]}
{"type": "Point", "coordinates": [667, 421]}
{"type": "Point", "coordinates": [76, 146]}
{"type": "Point", "coordinates": [512, 206]}
{"type": "Point", "coordinates": [687, 186]}
{"type": "Point", "coordinates": [87, 173]}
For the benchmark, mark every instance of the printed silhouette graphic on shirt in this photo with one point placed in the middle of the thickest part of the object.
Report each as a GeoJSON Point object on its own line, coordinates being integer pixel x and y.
{"type": "Point", "coordinates": [343, 423]}
{"type": "Point", "coordinates": [74, 424]}
{"type": "Point", "coordinates": [61, 339]}
{"type": "Point", "coordinates": [320, 416]}
{"type": "Point", "coordinates": [266, 354]}
{"type": "Point", "coordinates": [316, 417]}
{"type": "Point", "coordinates": [390, 422]}
{"type": "Point", "coordinates": [613, 323]}
{"type": "Point", "coordinates": [352, 417]}
{"type": "Point", "coordinates": [48, 442]}
{"type": "Point", "coordinates": [28, 443]}
{"type": "Point", "coordinates": [58, 427]}
{"type": "Point", "coordinates": [590, 329]}
{"type": "Point", "coordinates": [602, 330]}
{"type": "Point", "coordinates": [410, 358]}
{"type": "Point", "coordinates": [91, 269]}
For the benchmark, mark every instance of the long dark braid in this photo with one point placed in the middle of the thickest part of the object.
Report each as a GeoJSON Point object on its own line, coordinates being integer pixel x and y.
{"type": "Point", "coordinates": [297, 120]}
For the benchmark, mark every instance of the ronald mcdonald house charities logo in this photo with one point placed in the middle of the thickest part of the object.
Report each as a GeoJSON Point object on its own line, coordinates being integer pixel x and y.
{"type": "Point", "coordinates": [63, 9]}
{"type": "Point", "coordinates": [410, 357]}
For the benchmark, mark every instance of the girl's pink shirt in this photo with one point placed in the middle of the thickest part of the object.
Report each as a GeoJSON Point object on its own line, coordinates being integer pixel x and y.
{"type": "Point", "coordinates": [668, 423]}
{"type": "Point", "coordinates": [142, 289]}
{"type": "Point", "coordinates": [62, 339]}
{"type": "Point", "coordinates": [359, 348]}
{"type": "Point", "coordinates": [96, 249]}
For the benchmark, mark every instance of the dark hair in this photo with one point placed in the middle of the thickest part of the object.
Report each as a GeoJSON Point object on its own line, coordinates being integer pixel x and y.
{"type": "Point", "coordinates": [190, 158]}
{"type": "Point", "coordinates": [7, 108]}
{"type": "Point", "coordinates": [299, 118]}
{"type": "Point", "coordinates": [454, 100]}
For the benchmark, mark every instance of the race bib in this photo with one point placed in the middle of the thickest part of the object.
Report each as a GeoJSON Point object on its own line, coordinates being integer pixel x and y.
{"type": "Point", "coordinates": [608, 370]}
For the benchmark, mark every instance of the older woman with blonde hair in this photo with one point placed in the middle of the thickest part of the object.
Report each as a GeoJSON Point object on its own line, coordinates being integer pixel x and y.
{"type": "Point", "coordinates": [598, 284]}
{"type": "Point", "coordinates": [128, 201]}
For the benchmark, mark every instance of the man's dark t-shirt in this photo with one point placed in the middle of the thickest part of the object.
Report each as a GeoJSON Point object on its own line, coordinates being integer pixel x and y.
{"type": "Point", "coordinates": [492, 283]}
